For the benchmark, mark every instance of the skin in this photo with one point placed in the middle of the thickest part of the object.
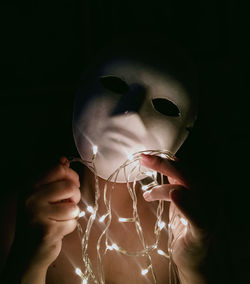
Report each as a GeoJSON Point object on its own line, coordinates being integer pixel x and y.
{"type": "Point", "coordinates": [53, 207]}
{"type": "Point", "coordinates": [190, 250]}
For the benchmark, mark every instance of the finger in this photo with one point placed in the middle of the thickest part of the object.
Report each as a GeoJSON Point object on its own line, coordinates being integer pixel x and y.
{"type": "Point", "coordinates": [160, 192]}
{"type": "Point", "coordinates": [62, 211]}
{"type": "Point", "coordinates": [66, 227]}
{"type": "Point", "coordinates": [165, 167]}
{"type": "Point", "coordinates": [55, 230]}
{"type": "Point", "coordinates": [192, 209]}
{"type": "Point", "coordinates": [55, 192]}
{"type": "Point", "coordinates": [63, 160]}
{"type": "Point", "coordinates": [59, 172]}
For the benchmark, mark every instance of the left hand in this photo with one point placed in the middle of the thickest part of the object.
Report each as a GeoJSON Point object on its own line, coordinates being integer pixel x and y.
{"type": "Point", "coordinates": [192, 240]}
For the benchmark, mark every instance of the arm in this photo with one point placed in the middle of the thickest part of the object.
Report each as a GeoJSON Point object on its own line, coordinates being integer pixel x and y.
{"type": "Point", "coordinates": [45, 218]}
{"type": "Point", "coordinates": [193, 251]}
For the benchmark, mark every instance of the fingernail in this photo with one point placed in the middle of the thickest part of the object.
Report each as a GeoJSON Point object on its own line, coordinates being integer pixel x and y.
{"type": "Point", "coordinates": [145, 158]}
{"type": "Point", "coordinates": [64, 161]}
{"type": "Point", "coordinates": [147, 196]}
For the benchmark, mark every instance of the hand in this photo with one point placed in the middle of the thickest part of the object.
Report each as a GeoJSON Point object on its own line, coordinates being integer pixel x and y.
{"type": "Point", "coordinates": [52, 211]}
{"type": "Point", "coordinates": [191, 239]}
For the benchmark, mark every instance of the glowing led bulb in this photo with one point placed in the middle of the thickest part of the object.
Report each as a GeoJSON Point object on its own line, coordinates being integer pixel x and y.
{"type": "Point", "coordinates": [90, 209]}
{"type": "Point", "coordinates": [144, 271]}
{"type": "Point", "coordinates": [95, 149]}
{"type": "Point", "coordinates": [102, 218]}
{"type": "Point", "coordinates": [151, 174]}
{"type": "Point", "coordinates": [130, 157]}
{"type": "Point", "coordinates": [78, 271]}
{"type": "Point", "coordinates": [122, 219]}
{"type": "Point", "coordinates": [109, 247]}
{"type": "Point", "coordinates": [161, 252]}
{"type": "Point", "coordinates": [144, 187]}
{"type": "Point", "coordinates": [161, 224]}
{"type": "Point", "coordinates": [154, 174]}
{"type": "Point", "coordinates": [114, 246]}
{"type": "Point", "coordinates": [183, 221]}
{"type": "Point", "coordinates": [163, 156]}
{"type": "Point", "coordinates": [81, 214]}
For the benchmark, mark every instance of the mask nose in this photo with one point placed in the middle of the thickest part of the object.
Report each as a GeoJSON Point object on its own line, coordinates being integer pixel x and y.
{"type": "Point", "coordinates": [131, 101]}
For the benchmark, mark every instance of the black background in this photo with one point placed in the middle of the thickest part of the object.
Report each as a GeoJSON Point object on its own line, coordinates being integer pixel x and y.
{"type": "Point", "coordinates": [45, 46]}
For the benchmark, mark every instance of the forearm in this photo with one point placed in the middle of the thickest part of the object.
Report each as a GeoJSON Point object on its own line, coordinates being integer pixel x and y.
{"type": "Point", "coordinates": [34, 275]}
{"type": "Point", "coordinates": [20, 266]}
{"type": "Point", "coordinates": [17, 271]}
{"type": "Point", "coordinates": [193, 278]}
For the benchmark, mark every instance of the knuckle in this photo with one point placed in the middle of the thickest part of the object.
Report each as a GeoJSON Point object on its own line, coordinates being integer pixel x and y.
{"type": "Point", "coordinates": [61, 169]}
{"type": "Point", "coordinates": [70, 186]}
{"type": "Point", "coordinates": [72, 210]}
{"type": "Point", "coordinates": [49, 231]}
{"type": "Point", "coordinates": [70, 227]}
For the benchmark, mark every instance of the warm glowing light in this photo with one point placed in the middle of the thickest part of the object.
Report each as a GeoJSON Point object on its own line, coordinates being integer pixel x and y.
{"type": "Point", "coordinates": [130, 157]}
{"type": "Point", "coordinates": [161, 224]}
{"type": "Point", "coordinates": [144, 187]}
{"type": "Point", "coordinates": [109, 247]}
{"type": "Point", "coordinates": [81, 214]}
{"type": "Point", "coordinates": [102, 218]}
{"type": "Point", "coordinates": [163, 156]}
{"type": "Point", "coordinates": [90, 209]}
{"type": "Point", "coordinates": [78, 271]}
{"type": "Point", "coordinates": [151, 174]}
{"type": "Point", "coordinates": [122, 220]}
{"type": "Point", "coordinates": [95, 149]}
{"type": "Point", "coordinates": [161, 252]}
{"type": "Point", "coordinates": [114, 246]}
{"type": "Point", "coordinates": [183, 221]}
{"type": "Point", "coordinates": [144, 271]}
{"type": "Point", "coordinates": [147, 179]}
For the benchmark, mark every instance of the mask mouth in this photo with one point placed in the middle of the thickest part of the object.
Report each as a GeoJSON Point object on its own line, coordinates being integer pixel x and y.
{"type": "Point", "coordinates": [131, 170]}
{"type": "Point", "coordinates": [117, 131]}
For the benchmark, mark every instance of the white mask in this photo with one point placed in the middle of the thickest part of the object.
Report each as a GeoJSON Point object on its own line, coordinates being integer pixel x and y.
{"type": "Point", "coordinates": [122, 112]}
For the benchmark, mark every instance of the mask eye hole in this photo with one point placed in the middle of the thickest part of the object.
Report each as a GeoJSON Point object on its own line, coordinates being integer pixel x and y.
{"type": "Point", "coordinates": [166, 107]}
{"type": "Point", "coordinates": [114, 84]}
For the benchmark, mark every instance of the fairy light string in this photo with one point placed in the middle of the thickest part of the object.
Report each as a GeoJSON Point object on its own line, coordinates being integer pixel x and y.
{"type": "Point", "coordinates": [147, 183]}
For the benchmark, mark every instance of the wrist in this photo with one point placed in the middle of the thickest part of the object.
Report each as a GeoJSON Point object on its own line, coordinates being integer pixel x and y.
{"type": "Point", "coordinates": [193, 277]}
{"type": "Point", "coordinates": [34, 274]}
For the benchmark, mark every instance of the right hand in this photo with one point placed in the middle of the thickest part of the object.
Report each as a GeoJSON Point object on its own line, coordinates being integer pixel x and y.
{"type": "Point", "coordinates": [52, 211]}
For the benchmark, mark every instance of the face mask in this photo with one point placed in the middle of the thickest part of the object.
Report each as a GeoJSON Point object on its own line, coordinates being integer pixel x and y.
{"type": "Point", "coordinates": [129, 107]}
